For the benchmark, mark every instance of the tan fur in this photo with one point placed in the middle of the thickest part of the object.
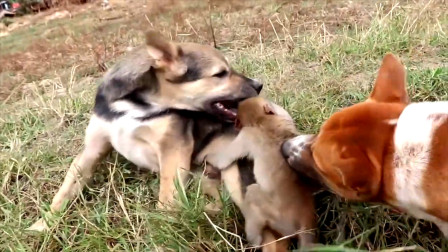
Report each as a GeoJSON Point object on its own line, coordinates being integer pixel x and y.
{"type": "Point", "coordinates": [201, 89]}
{"type": "Point", "coordinates": [230, 176]}
{"type": "Point", "coordinates": [278, 201]}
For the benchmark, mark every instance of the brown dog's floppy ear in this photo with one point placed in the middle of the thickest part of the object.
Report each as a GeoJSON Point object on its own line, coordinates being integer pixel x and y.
{"type": "Point", "coordinates": [165, 53]}
{"type": "Point", "coordinates": [390, 85]}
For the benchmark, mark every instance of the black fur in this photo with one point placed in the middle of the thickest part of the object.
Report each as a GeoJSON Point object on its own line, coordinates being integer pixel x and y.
{"type": "Point", "coordinates": [205, 128]}
{"type": "Point", "coordinates": [102, 107]}
{"type": "Point", "coordinates": [136, 98]}
{"type": "Point", "coordinates": [133, 72]}
{"type": "Point", "coordinates": [246, 169]}
{"type": "Point", "coordinates": [131, 79]}
{"type": "Point", "coordinates": [193, 70]}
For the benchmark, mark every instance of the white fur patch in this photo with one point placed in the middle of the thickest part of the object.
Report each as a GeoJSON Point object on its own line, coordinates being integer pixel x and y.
{"type": "Point", "coordinates": [413, 137]}
{"type": "Point", "coordinates": [134, 111]}
{"type": "Point", "coordinates": [391, 121]}
{"type": "Point", "coordinates": [122, 134]}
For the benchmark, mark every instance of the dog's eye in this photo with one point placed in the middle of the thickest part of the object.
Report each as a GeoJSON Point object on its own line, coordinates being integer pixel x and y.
{"type": "Point", "coordinates": [221, 74]}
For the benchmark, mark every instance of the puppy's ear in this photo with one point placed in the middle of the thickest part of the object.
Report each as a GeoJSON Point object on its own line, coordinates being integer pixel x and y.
{"type": "Point", "coordinates": [165, 53]}
{"type": "Point", "coordinates": [268, 109]}
{"type": "Point", "coordinates": [390, 84]}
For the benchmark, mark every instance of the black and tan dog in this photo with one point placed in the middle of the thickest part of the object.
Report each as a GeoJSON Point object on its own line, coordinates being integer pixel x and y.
{"type": "Point", "coordinates": [162, 107]}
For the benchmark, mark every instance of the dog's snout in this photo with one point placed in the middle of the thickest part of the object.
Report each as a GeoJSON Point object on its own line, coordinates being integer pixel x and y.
{"type": "Point", "coordinates": [258, 86]}
{"type": "Point", "coordinates": [285, 148]}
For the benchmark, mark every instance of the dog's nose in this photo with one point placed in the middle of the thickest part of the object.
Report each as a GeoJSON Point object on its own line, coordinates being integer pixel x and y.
{"type": "Point", "coordinates": [258, 86]}
{"type": "Point", "coordinates": [285, 148]}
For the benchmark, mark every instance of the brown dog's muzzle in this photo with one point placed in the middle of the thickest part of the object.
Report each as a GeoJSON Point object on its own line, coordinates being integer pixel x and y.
{"type": "Point", "coordinates": [297, 152]}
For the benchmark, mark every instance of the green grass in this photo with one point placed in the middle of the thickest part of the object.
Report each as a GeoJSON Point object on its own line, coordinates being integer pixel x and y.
{"type": "Point", "coordinates": [314, 58]}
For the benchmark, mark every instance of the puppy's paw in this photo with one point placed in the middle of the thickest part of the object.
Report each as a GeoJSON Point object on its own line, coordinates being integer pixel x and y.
{"type": "Point", "coordinates": [217, 161]}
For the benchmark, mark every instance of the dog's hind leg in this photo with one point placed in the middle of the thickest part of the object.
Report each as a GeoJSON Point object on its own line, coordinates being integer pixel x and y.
{"type": "Point", "coordinates": [97, 145]}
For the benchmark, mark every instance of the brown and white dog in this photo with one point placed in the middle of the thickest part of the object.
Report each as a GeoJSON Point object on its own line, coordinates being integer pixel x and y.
{"type": "Point", "coordinates": [384, 149]}
{"type": "Point", "coordinates": [163, 106]}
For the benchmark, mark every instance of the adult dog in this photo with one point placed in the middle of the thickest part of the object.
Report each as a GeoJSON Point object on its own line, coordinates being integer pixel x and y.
{"type": "Point", "coordinates": [160, 107]}
{"type": "Point", "coordinates": [384, 149]}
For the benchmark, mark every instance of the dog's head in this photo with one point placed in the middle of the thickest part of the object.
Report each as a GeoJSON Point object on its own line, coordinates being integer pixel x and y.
{"type": "Point", "coordinates": [253, 111]}
{"type": "Point", "coordinates": [197, 77]}
{"type": "Point", "coordinates": [348, 152]}
{"type": "Point", "coordinates": [261, 113]}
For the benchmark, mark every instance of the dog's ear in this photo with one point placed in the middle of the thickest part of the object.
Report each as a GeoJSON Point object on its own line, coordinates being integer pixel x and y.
{"type": "Point", "coordinates": [165, 53]}
{"type": "Point", "coordinates": [268, 109]}
{"type": "Point", "coordinates": [390, 84]}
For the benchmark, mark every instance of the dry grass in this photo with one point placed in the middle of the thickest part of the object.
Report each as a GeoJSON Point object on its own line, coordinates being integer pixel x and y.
{"type": "Point", "coordinates": [313, 56]}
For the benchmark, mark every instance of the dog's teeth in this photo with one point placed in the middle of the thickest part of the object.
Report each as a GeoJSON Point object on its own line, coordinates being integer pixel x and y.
{"type": "Point", "coordinates": [219, 105]}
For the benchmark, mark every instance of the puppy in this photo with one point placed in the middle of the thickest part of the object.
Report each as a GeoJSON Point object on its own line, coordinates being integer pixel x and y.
{"type": "Point", "coordinates": [160, 107]}
{"type": "Point", "coordinates": [278, 200]}
{"type": "Point", "coordinates": [383, 150]}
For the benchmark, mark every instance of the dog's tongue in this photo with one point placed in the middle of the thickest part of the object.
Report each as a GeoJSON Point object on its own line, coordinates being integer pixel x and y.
{"type": "Point", "coordinates": [226, 111]}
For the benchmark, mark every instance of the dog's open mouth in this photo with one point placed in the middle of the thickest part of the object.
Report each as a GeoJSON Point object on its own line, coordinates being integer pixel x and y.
{"type": "Point", "coordinates": [226, 109]}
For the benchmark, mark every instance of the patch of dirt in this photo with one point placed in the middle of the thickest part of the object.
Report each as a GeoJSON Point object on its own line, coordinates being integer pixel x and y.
{"type": "Point", "coordinates": [88, 53]}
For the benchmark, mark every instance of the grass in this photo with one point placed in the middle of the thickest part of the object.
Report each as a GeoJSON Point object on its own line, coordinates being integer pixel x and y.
{"type": "Point", "coordinates": [314, 57]}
